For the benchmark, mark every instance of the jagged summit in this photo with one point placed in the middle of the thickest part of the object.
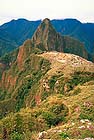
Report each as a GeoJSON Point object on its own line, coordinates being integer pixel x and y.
{"type": "Point", "coordinates": [47, 38]}
{"type": "Point", "coordinates": [46, 20]}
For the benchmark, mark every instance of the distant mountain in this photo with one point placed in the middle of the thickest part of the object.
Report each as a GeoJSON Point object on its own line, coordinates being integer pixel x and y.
{"type": "Point", "coordinates": [76, 29]}
{"type": "Point", "coordinates": [15, 32]}
{"type": "Point", "coordinates": [7, 44]}
{"type": "Point", "coordinates": [89, 29]}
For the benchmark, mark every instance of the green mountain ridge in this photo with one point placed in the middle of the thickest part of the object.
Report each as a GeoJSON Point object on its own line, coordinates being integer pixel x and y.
{"type": "Point", "coordinates": [45, 94]}
{"type": "Point", "coordinates": [25, 29]}
{"type": "Point", "coordinates": [16, 32]}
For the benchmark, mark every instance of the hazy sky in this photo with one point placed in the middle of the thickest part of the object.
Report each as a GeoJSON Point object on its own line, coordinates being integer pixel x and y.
{"type": "Point", "coordinates": [82, 10]}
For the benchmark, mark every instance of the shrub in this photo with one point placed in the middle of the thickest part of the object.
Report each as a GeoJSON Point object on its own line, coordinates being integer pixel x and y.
{"type": "Point", "coordinates": [19, 123]}
{"type": "Point", "coordinates": [87, 113]}
{"type": "Point", "coordinates": [80, 78]}
{"type": "Point", "coordinates": [45, 94]}
{"type": "Point", "coordinates": [64, 135]}
{"type": "Point", "coordinates": [58, 108]}
{"type": "Point", "coordinates": [22, 92]}
{"type": "Point", "coordinates": [52, 119]}
{"type": "Point", "coordinates": [2, 95]}
{"type": "Point", "coordinates": [77, 91]}
{"type": "Point", "coordinates": [52, 81]}
{"type": "Point", "coordinates": [16, 136]}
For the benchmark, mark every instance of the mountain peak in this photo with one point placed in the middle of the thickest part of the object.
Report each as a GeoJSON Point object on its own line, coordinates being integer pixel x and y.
{"type": "Point", "coordinates": [46, 37]}
{"type": "Point", "coordinates": [46, 20]}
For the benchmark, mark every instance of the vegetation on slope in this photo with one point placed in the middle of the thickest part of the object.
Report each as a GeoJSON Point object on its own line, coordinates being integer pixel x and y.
{"type": "Point", "coordinates": [58, 115]}
{"type": "Point", "coordinates": [50, 92]}
{"type": "Point", "coordinates": [58, 100]}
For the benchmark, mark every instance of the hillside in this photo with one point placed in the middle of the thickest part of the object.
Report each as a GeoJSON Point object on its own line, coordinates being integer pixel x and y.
{"type": "Point", "coordinates": [56, 95]}
{"type": "Point", "coordinates": [7, 44]}
{"type": "Point", "coordinates": [45, 94]}
{"type": "Point", "coordinates": [25, 29]}
{"type": "Point", "coordinates": [14, 33]}
{"type": "Point", "coordinates": [44, 39]}
{"type": "Point", "coordinates": [76, 29]}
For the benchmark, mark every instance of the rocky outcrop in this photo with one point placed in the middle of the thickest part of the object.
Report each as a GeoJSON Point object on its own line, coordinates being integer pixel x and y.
{"type": "Point", "coordinates": [24, 52]}
{"type": "Point", "coordinates": [47, 39]}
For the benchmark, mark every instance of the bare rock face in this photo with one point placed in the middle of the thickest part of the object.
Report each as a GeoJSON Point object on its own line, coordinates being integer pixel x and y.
{"type": "Point", "coordinates": [47, 39]}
